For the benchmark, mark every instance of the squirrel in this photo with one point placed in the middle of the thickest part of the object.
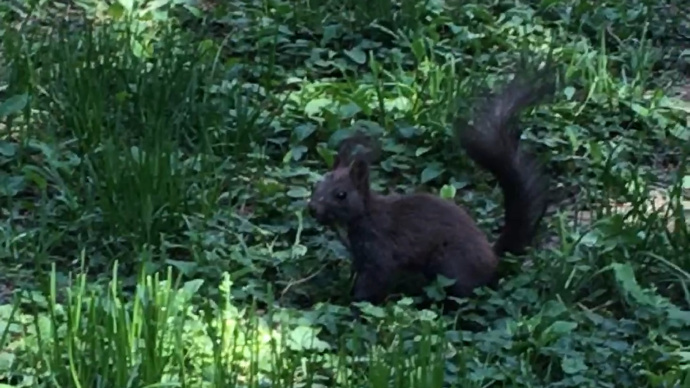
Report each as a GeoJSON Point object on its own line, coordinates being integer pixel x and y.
{"type": "Point", "coordinates": [425, 233]}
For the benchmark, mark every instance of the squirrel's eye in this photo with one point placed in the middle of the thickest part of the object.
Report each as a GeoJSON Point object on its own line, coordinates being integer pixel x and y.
{"type": "Point", "coordinates": [340, 195]}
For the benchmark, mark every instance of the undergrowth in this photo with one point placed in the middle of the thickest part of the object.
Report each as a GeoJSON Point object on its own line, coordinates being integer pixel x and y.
{"type": "Point", "coordinates": [156, 160]}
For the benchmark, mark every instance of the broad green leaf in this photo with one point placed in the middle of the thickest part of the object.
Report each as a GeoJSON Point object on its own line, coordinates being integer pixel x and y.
{"type": "Point", "coordinates": [372, 310]}
{"type": "Point", "coordinates": [116, 11]}
{"type": "Point", "coordinates": [562, 327]}
{"type": "Point", "coordinates": [7, 149]}
{"type": "Point", "coordinates": [298, 192]}
{"type": "Point", "coordinates": [448, 191]}
{"type": "Point", "coordinates": [298, 152]}
{"type": "Point", "coordinates": [13, 185]}
{"type": "Point", "coordinates": [269, 186]}
{"type": "Point", "coordinates": [185, 267]}
{"type": "Point", "coordinates": [681, 132]}
{"type": "Point", "coordinates": [553, 308]}
{"type": "Point", "coordinates": [315, 106]}
{"type": "Point", "coordinates": [407, 131]}
{"type": "Point", "coordinates": [640, 110]}
{"type": "Point", "coordinates": [128, 5]}
{"type": "Point", "coordinates": [569, 92]}
{"type": "Point", "coordinates": [13, 104]}
{"type": "Point", "coordinates": [357, 55]}
{"type": "Point", "coordinates": [573, 365]}
{"type": "Point", "coordinates": [306, 338]}
{"type": "Point", "coordinates": [625, 277]}
{"type": "Point", "coordinates": [192, 286]}
{"type": "Point", "coordinates": [349, 110]}
{"type": "Point", "coordinates": [193, 10]}
{"type": "Point", "coordinates": [303, 131]}
{"type": "Point", "coordinates": [421, 151]}
{"type": "Point", "coordinates": [431, 172]}
{"type": "Point", "coordinates": [329, 32]}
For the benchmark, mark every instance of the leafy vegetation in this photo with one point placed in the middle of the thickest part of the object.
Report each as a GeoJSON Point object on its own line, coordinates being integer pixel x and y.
{"type": "Point", "coordinates": [156, 159]}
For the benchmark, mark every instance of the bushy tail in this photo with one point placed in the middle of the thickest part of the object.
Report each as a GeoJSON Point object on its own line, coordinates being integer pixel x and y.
{"type": "Point", "coordinates": [492, 141]}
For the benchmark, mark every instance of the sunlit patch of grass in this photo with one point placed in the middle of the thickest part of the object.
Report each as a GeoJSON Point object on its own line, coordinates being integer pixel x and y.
{"type": "Point", "coordinates": [157, 335]}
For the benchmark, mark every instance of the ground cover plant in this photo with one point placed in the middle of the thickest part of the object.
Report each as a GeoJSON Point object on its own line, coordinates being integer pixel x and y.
{"type": "Point", "coordinates": [156, 158]}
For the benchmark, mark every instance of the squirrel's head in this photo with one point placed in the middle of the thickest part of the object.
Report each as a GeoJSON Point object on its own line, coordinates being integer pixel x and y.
{"type": "Point", "coordinates": [342, 195]}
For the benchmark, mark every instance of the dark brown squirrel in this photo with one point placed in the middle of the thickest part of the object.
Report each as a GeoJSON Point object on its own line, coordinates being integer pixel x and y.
{"type": "Point", "coordinates": [425, 233]}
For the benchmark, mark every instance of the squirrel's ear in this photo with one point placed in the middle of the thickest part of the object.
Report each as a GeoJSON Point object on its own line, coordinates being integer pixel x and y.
{"type": "Point", "coordinates": [359, 173]}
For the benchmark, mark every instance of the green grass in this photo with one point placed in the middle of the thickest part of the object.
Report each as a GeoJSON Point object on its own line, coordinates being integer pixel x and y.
{"type": "Point", "coordinates": [154, 170]}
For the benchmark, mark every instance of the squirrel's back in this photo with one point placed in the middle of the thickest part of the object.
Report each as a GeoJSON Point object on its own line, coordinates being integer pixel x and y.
{"type": "Point", "coordinates": [421, 225]}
